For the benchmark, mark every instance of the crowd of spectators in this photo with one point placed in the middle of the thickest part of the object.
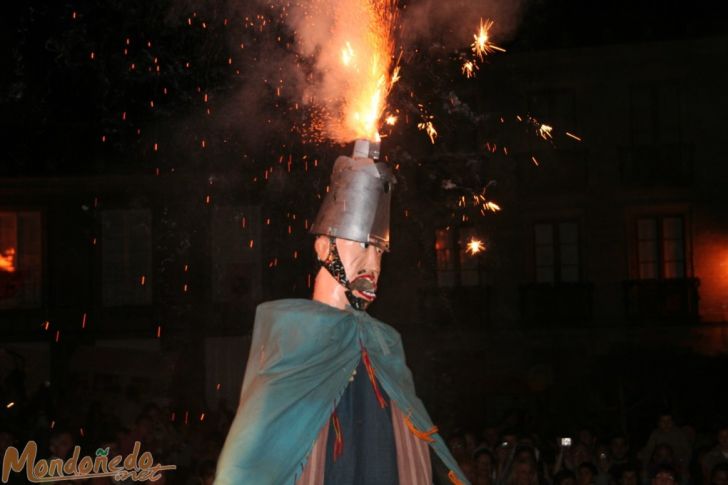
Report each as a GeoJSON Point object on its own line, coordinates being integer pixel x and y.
{"type": "Point", "coordinates": [512, 453]}
{"type": "Point", "coordinates": [672, 455]}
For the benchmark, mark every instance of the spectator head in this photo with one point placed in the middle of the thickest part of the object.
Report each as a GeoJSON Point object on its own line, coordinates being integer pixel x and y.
{"type": "Point", "coordinates": [628, 475]}
{"type": "Point", "coordinates": [509, 436]}
{"type": "Point", "coordinates": [523, 472]}
{"type": "Point", "coordinates": [586, 436]}
{"type": "Point", "coordinates": [468, 468]}
{"type": "Point", "coordinates": [61, 443]}
{"type": "Point", "coordinates": [619, 448]}
{"type": "Point", "coordinates": [580, 453]}
{"type": "Point", "coordinates": [719, 474]}
{"type": "Point", "coordinates": [723, 438]}
{"type": "Point", "coordinates": [663, 454]}
{"type": "Point", "coordinates": [206, 472]}
{"type": "Point", "coordinates": [565, 477]}
{"type": "Point", "coordinates": [456, 443]}
{"type": "Point", "coordinates": [586, 474]}
{"type": "Point", "coordinates": [665, 421]}
{"type": "Point", "coordinates": [525, 451]}
{"type": "Point", "coordinates": [471, 441]}
{"type": "Point", "coordinates": [664, 475]}
{"type": "Point", "coordinates": [490, 437]}
{"type": "Point", "coordinates": [484, 462]}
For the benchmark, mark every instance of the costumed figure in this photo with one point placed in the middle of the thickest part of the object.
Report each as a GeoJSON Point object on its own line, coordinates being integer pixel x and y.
{"type": "Point", "coordinates": [327, 398]}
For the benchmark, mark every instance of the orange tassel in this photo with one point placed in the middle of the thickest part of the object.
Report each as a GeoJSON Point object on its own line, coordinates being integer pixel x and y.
{"type": "Point", "coordinates": [373, 377]}
{"type": "Point", "coordinates": [339, 442]}
{"type": "Point", "coordinates": [423, 435]}
{"type": "Point", "coordinates": [454, 478]}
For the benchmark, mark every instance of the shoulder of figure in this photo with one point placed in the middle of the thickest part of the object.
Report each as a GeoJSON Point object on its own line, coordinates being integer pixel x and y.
{"type": "Point", "coordinates": [391, 332]}
{"type": "Point", "coordinates": [298, 306]}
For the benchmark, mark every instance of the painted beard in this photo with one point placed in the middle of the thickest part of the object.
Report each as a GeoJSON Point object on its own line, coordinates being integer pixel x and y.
{"type": "Point", "coordinates": [363, 284]}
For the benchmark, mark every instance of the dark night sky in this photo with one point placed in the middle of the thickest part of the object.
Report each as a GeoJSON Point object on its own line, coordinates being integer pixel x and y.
{"type": "Point", "coordinates": [57, 104]}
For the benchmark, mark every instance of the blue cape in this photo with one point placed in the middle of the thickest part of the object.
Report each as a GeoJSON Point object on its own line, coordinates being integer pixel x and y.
{"type": "Point", "coordinates": [301, 357]}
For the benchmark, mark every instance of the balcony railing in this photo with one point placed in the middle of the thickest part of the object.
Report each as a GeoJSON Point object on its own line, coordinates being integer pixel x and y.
{"type": "Point", "coordinates": [668, 301]}
{"type": "Point", "coordinates": [557, 304]}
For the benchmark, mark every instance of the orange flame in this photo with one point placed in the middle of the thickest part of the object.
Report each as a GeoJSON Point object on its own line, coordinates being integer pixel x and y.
{"type": "Point", "coordinates": [357, 62]}
{"type": "Point", "coordinates": [373, 78]}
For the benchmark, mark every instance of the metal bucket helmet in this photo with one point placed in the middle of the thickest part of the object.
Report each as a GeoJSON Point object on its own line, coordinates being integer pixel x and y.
{"type": "Point", "coordinates": [358, 203]}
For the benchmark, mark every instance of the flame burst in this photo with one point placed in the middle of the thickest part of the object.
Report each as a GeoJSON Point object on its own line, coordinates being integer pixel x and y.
{"type": "Point", "coordinates": [352, 42]}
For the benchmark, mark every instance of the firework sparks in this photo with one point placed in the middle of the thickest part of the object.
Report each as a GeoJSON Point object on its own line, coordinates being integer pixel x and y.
{"type": "Point", "coordinates": [482, 45]}
{"type": "Point", "coordinates": [544, 131]}
{"type": "Point", "coordinates": [428, 128]}
{"type": "Point", "coordinates": [469, 68]}
{"type": "Point", "coordinates": [475, 246]}
{"type": "Point", "coordinates": [571, 135]}
{"type": "Point", "coordinates": [491, 206]}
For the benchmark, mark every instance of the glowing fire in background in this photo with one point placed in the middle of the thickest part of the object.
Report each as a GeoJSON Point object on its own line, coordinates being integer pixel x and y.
{"type": "Point", "coordinates": [7, 260]}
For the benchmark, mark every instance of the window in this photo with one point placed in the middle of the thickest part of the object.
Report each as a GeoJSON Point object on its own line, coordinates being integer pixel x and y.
{"type": "Point", "coordinates": [456, 266]}
{"type": "Point", "coordinates": [661, 247]}
{"type": "Point", "coordinates": [655, 114]}
{"type": "Point", "coordinates": [20, 259]}
{"type": "Point", "coordinates": [236, 255]}
{"type": "Point", "coordinates": [126, 252]}
{"type": "Point", "coordinates": [557, 252]}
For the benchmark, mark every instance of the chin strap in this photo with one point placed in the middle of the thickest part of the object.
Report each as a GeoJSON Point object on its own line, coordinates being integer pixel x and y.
{"type": "Point", "coordinates": [335, 267]}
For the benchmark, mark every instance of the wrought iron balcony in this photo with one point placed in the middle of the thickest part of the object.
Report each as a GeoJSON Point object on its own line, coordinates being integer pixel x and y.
{"type": "Point", "coordinates": [669, 300]}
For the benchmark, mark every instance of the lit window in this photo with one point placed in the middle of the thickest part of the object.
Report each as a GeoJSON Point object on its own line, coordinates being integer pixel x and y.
{"type": "Point", "coordinates": [20, 259]}
{"type": "Point", "coordinates": [661, 247]}
{"type": "Point", "coordinates": [457, 264]}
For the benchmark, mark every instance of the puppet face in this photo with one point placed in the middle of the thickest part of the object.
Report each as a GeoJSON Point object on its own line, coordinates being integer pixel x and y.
{"type": "Point", "coordinates": [362, 263]}
{"type": "Point", "coordinates": [354, 265]}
